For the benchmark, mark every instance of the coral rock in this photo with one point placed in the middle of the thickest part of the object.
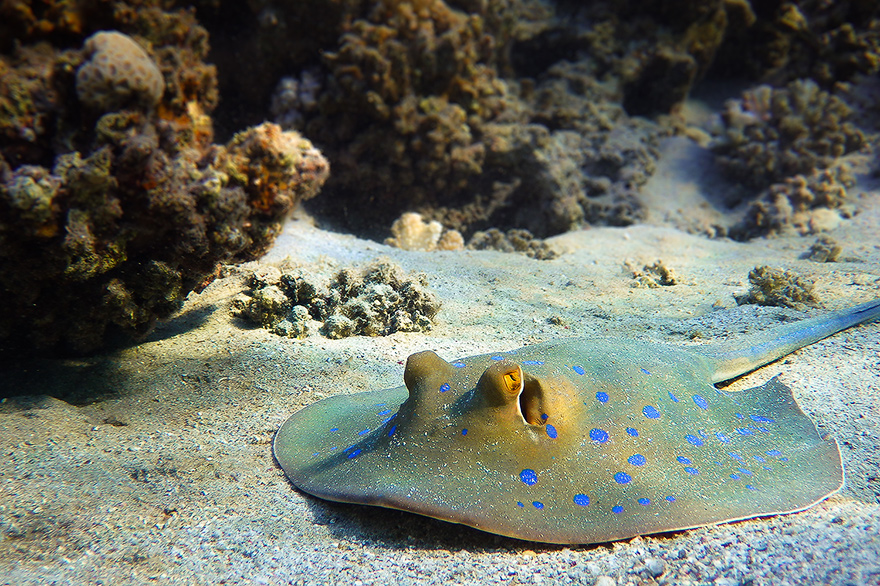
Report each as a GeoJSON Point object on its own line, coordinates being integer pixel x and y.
{"type": "Point", "coordinates": [117, 72]}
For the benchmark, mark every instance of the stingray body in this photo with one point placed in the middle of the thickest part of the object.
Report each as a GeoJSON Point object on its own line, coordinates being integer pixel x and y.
{"type": "Point", "coordinates": [575, 441]}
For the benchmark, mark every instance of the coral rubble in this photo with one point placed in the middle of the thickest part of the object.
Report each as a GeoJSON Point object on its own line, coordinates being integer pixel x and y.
{"type": "Point", "coordinates": [769, 286]}
{"type": "Point", "coordinates": [514, 240]}
{"type": "Point", "coordinates": [652, 276]}
{"type": "Point", "coordinates": [376, 301]}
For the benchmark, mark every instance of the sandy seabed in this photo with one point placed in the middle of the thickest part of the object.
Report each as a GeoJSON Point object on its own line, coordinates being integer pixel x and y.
{"type": "Point", "coordinates": [153, 464]}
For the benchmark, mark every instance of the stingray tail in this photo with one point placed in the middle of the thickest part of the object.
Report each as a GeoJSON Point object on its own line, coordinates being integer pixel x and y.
{"type": "Point", "coordinates": [788, 338]}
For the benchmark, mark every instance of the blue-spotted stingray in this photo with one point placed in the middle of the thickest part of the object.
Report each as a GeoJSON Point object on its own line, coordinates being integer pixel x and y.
{"type": "Point", "coordinates": [577, 440]}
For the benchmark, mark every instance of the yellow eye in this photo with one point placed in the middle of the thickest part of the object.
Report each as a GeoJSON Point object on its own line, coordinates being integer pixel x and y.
{"type": "Point", "coordinates": [511, 380]}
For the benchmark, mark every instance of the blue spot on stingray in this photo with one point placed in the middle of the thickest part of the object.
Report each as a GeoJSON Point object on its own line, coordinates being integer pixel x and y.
{"type": "Point", "coordinates": [528, 476]}
{"type": "Point", "coordinates": [617, 509]}
{"type": "Point", "coordinates": [444, 387]}
{"type": "Point", "coordinates": [622, 478]}
{"type": "Point", "coordinates": [581, 500]}
{"type": "Point", "coordinates": [671, 499]}
{"type": "Point", "coordinates": [763, 430]}
{"type": "Point", "coordinates": [646, 371]}
{"type": "Point", "coordinates": [392, 430]}
{"type": "Point", "coordinates": [355, 454]}
{"type": "Point", "coordinates": [767, 468]}
{"type": "Point", "coordinates": [722, 438]}
{"type": "Point", "coordinates": [544, 416]}
{"type": "Point", "coordinates": [644, 501]}
{"type": "Point", "coordinates": [637, 460]}
{"type": "Point", "coordinates": [761, 419]}
{"type": "Point", "coordinates": [602, 397]}
{"type": "Point", "coordinates": [783, 459]}
{"type": "Point", "coordinates": [740, 416]}
{"type": "Point", "coordinates": [651, 412]}
{"type": "Point", "coordinates": [736, 456]}
{"type": "Point", "coordinates": [532, 362]}
{"type": "Point", "coordinates": [334, 448]}
{"type": "Point", "coordinates": [334, 429]}
{"type": "Point", "coordinates": [683, 460]}
{"type": "Point", "coordinates": [387, 419]}
{"type": "Point", "coordinates": [773, 453]}
{"type": "Point", "coordinates": [579, 369]}
{"type": "Point", "coordinates": [673, 397]}
{"type": "Point", "coordinates": [701, 402]}
{"type": "Point", "coordinates": [384, 412]}
{"type": "Point", "coordinates": [691, 470]}
{"type": "Point", "coordinates": [599, 435]}
{"type": "Point", "coordinates": [759, 459]}
{"type": "Point", "coordinates": [464, 432]}
{"type": "Point", "coordinates": [750, 487]}
{"type": "Point", "coordinates": [538, 505]}
{"type": "Point", "coordinates": [735, 476]}
{"type": "Point", "coordinates": [744, 431]}
{"type": "Point", "coordinates": [551, 431]}
{"type": "Point", "coordinates": [693, 440]}
{"type": "Point", "coordinates": [364, 432]}
{"type": "Point", "coordinates": [744, 471]}
{"type": "Point", "coordinates": [459, 364]}
{"type": "Point", "coordinates": [519, 504]}
{"type": "Point", "coordinates": [315, 454]}
{"type": "Point", "coordinates": [632, 431]}
{"type": "Point", "coordinates": [497, 358]}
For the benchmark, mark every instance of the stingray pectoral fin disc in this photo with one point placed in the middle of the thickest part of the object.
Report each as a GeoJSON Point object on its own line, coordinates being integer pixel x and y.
{"type": "Point", "coordinates": [318, 445]}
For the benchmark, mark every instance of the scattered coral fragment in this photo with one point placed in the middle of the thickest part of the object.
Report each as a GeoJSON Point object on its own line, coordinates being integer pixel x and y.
{"type": "Point", "coordinates": [825, 249]}
{"type": "Point", "coordinates": [778, 287]}
{"type": "Point", "coordinates": [652, 276]}
{"type": "Point", "coordinates": [411, 232]}
{"type": "Point", "coordinates": [376, 301]}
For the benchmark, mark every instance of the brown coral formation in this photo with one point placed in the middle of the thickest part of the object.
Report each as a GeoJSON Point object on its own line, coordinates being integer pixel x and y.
{"type": "Point", "coordinates": [114, 204]}
{"type": "Point", "coordinates": [792, 39]}
{"type": "Point", "coordinates": [775, 133]}
{"type": "Point", "coordinates": [522, 114]}
{"type": "Point", "coordinates": [417, 112]}
{"type": "Point", "coordinates": [806, 204]}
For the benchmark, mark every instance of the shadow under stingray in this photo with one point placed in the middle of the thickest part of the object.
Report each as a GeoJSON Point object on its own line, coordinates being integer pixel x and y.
{"type": "Point", "coordinates": [396, 530]}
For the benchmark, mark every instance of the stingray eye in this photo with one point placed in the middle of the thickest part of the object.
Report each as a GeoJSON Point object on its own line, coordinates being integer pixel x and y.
{"type": "Point", "coordinates": [501, 383]}
{"type": "Point", "coordinates": [512, 380]}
